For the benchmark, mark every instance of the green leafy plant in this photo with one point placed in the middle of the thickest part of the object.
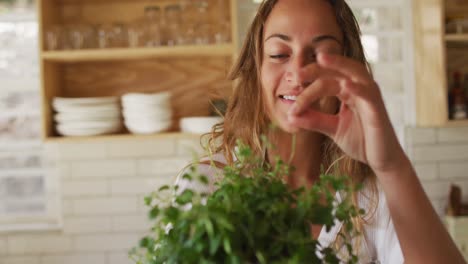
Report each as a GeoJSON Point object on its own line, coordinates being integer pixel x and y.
{"type": "Point", "coordinates": [253, 216]}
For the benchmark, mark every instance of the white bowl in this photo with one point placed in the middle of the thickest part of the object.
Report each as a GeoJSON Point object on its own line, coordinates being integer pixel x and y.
{"type": "Point", "coordinates": [140, 105]}
{"type": "Point", "coordinates": [199, 125]}
{"type": "Point", "coordinates": [146, 98]}
{"type": "Point", "coordinates": [149, 113]}
{"type": "Point", "coordinates": [148, 120]}
{"type": "Point", "coordinates": [148, 128]}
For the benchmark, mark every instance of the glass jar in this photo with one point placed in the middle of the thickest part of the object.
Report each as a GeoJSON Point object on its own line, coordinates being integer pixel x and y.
{"type": "Point", "coordinates": [55, 38]}
{"type": "Point", "coordinates": [203, 30]}
{"type": "Point", "coordinates": [120, 35]}
{"type": "Point", "coordinates": [136, 34]}
{"type": "Point", "coordinates": [105, 36]}
{"type": "Point", "coordinates": [173, 29]}
{"type": "Point", "coordinates": [152, 26]}
{"type": "Point", "coordinates": [222, 28]}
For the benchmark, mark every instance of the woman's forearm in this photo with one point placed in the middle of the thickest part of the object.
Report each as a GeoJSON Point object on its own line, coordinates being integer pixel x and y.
{"type": "Point", "coordinates": [422, 236]}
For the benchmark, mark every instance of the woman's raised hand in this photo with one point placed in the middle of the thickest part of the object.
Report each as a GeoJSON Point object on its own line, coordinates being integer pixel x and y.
{"type": "Point", "coordinates": [362, 128]}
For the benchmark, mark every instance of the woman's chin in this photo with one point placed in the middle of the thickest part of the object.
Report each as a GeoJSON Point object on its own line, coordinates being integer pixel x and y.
{"type": "Point", "coordinates": [288, 128]}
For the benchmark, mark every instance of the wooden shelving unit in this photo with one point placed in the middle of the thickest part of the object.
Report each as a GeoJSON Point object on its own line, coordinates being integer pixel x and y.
{"type": "Point", "coordinates": [437, 54]}
{"type": "Point", "coordinates": [165, 135]}
{"type": "Point", "coordinates": [219, 50]}
{"type": "Point", "coordinates": [456, 37]}
{"type": "Point", "coordinates": [194, 74]}
{"type": "Point", "coordinates": [457, 123]}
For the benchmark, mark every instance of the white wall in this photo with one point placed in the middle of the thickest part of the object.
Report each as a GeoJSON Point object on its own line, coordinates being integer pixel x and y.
{"type": "Point", "coordinates": [440, 156]}
{"type": "Point", "coordinates": [102, 188]}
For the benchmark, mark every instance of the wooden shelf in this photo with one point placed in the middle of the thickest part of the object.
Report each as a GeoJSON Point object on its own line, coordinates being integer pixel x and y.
{"type": "Point", "coordinates": [166, 135]}
{"type": "Point", "coordinates": [455, 9]}
{"type": "Point", "coordinates": [458, 123]}
{"type": "Point", "coordinates": [456, 37]}
{"type": "Point", "coordinates": [139, 53]}
{"type": "Point", "coordinates": [194, 74]}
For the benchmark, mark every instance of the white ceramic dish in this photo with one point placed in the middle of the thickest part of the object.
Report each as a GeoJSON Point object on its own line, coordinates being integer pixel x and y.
{"type": "Point", "coordinates": [148, 128]}
{"type": "Point", "coordinates": [148, 104]}
{"type": "Point", "coordinates": [146, 98]}
{"type": "Point", "coordinates": [91, 124]}
{"type": "Point", "coordinates": [91, 109]}
{"type": "Point", "coordinates": [60, 101]}
{"type": "Point", "coordinates": [67, 131]}
{"type": "Point", "coordinates": [77, 117]}
{"type": "Point", "coordinates": [145, 120]}
{"type": "Point", "coordinates": [199, 125]}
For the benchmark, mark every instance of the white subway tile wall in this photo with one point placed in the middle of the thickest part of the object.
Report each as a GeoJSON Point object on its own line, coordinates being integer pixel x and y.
{"type": "Point", "coordinates": [21, 260]}
{"type": "Point", "coordinates": [102, 191]}
{"type": "Point", "coordinates": [75, 259]}
{"type": "Point", "coordinates": [3, 246]}
{"type": "Point", "coordinates": [103, 183]}
{"type": "Point", "coordinates": [440, 156]}
{"type": "Point", "coordinates": [24, 186]}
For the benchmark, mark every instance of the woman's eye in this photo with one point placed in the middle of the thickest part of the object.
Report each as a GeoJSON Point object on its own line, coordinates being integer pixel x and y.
{"type": "Point", "coordinates": [278, 56]}
{"type": "Point", "coordinates": [312, 56]}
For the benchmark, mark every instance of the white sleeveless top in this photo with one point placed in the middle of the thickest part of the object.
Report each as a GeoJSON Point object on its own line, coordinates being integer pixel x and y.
{"type": "Point", "coordinates": [379, 244]}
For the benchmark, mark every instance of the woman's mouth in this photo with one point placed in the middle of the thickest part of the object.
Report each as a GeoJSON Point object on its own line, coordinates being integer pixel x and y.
{"type": "Point", "coordinates": [288, 98]}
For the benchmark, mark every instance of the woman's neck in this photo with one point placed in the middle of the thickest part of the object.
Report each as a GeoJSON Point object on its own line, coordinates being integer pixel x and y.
{"type": "Point", "coordinates": [306, 159]}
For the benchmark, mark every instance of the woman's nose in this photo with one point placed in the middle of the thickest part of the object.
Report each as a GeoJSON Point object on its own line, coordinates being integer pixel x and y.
{"type": "Point", "coordinates": [299, 74]}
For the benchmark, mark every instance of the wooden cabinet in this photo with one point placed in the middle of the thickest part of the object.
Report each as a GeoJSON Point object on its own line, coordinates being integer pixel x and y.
{"type": "Point", "coordinates": [437, 55]}
{"type": "Point", "coordinates": [194, 74]}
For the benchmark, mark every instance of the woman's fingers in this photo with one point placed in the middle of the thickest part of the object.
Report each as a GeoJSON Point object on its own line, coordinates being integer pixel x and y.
{"type": "Point", "coordinates": [318, 89]}
{"type": "Point", "coordinates": [354, 70]}
{"type": "Point", "coordinates": [313, 71]}
{"type": "Point", "coordinates": [315, 121]}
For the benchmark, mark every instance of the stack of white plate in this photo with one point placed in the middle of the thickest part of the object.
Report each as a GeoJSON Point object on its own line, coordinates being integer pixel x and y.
{"type": "Point", "coordinates": [147, 113]}
{"type": "Point", "coordinates": [87, 116]}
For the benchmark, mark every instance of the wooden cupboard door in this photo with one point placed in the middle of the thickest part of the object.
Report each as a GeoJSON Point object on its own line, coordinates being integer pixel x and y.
{"type": "Point", "coordinates": [430, 74]}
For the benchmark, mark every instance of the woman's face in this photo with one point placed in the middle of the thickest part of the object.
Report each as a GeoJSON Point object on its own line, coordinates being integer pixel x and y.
{"type": "Point", "coordinates": [295, 31]}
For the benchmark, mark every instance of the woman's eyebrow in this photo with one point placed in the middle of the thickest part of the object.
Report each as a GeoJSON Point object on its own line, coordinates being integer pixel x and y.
{"type": "Point", "coordinates": [280, 36]}
{"type": "Point", "coordinates": [315, 40]}
{"type": "Point", "coordinates": [325, 37]}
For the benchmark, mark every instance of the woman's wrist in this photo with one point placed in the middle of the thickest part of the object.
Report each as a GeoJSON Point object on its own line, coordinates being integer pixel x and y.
{"type": "Point", "coordinates": [399, 165]}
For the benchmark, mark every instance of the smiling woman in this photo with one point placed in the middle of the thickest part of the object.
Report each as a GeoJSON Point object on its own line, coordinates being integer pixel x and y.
{"type": "Point", "coordinates": [303, 68]}
{"type": "Point", "coordinates": [290, 45]}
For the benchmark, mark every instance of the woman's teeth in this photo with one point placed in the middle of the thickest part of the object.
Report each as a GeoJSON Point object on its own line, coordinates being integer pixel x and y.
{"type": "Point", "coordinates": [289, 97]}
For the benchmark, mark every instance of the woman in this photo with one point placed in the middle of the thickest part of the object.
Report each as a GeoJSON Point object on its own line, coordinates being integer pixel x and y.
{"type": "Point", "coordinates": [303, 68]}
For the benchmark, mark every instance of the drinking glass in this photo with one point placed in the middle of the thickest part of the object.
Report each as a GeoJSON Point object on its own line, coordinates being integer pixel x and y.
{"type": "Point", "coordinates": [136, 34]}
{"type": "Point", "coordinates": [222, 29]}
{"type": "Point", "coordinates": [203, 29]}
{"type": "Point", "coordinates": [105, 35]}
{"type": "Point", "coordinates": [54, 38]}
{"type": "Point", "coordinates": [119, 35]}
{"type": "Point", "coordinates": [173, 32]}
{"type": "Point", "coordinates": [152, 26]}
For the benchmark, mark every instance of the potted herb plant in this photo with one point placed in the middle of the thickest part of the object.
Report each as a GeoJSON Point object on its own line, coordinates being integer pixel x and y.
{"type": "Point", "coordinates": [253, 216]}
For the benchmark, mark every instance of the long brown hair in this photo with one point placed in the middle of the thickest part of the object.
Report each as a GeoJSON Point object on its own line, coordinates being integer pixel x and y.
{"type": "Point", "coordinates": [246, 117]}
